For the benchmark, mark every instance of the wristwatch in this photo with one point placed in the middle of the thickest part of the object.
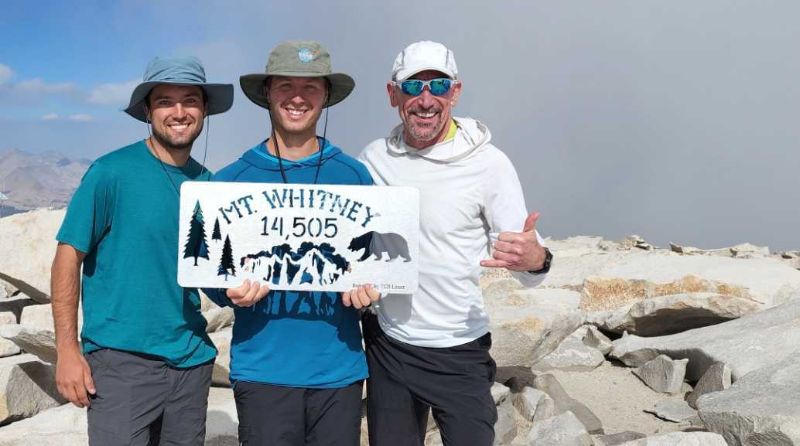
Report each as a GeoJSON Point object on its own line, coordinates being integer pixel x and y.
{"type": "Point", "coordinates": [548, 259]}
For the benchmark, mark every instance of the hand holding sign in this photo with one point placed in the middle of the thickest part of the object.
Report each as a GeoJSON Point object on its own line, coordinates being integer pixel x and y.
{"type": "Point", "coordinates": [362, 296]}
{"type": "Point", "coordinates": [247, 294]}
{"type": "Point", "coordinates": [518, 251]}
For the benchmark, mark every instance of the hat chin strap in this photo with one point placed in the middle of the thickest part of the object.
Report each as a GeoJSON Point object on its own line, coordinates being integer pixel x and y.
{"type": "Point", "coordinates": [206, 128]}
{"type": "Point", "coordinates": [320, 145]}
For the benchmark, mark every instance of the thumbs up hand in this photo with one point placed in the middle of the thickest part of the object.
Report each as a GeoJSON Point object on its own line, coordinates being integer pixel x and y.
{"type": "Point", "coordinates": [518, 251]}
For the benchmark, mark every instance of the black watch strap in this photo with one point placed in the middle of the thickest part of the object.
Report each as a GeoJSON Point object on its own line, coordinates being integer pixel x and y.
{"type": "Point", "coordinates": [548, 259]}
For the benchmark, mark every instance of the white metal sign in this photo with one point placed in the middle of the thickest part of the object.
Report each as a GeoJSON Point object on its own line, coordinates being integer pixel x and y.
{"type": "Point", "coordinates": [298, 236]}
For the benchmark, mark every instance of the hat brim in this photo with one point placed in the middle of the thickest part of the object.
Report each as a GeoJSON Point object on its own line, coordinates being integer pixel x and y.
{"type": "Point", "coordinates": [219, 97]}
{"type": "Point", "coordinates": [253, 86]}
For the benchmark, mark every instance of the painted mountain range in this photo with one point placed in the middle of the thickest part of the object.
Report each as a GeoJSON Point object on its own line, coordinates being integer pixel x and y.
{"type": "Point", "coordinates": [311, 263]}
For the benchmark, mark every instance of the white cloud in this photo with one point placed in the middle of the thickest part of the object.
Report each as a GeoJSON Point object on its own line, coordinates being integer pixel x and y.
{"type": "Point", "coordinates": [77, 117]}
{"type": "Point", "coordinates": [112, 94]}
{"type": "Point", "coordinates": [81, 117]}
{"type": "Point", "coordinates": [5, 73]}
{"type": "Point", "coordinates": [39, 86]}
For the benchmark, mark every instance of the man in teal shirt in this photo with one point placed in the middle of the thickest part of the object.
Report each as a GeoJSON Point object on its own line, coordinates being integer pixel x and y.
{"type": "Point", "coordinates": [144, 368]}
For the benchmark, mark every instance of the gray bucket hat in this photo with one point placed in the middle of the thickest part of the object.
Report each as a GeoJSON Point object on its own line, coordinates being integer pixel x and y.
{"type": "Point", "coordinates": [298, 58]}
{"type": "Point", "coordinates": [179, 71]}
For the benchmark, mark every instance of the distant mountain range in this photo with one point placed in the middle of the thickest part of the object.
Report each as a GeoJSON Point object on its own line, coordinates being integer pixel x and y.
{"type": "Point", "coordinates": [29, 181]}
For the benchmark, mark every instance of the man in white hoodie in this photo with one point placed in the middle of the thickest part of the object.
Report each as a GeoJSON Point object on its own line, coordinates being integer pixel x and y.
{"type": "Point", "coordinates": [430, 349]}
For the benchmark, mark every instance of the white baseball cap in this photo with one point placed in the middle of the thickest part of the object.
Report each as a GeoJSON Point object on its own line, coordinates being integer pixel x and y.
{"type": "Point", "coordinates": [422, 56]}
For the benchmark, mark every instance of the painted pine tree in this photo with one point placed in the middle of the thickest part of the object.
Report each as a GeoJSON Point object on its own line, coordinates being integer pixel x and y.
{"type": "Point", "coordinates": [196, 245]}
{"type": "Point", "coordinates": [226, 266]}
{"type": "Point", "coordinates": [216, 234]}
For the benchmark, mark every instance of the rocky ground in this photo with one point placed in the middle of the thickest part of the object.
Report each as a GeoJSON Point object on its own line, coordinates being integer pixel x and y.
{"type": "Point", "coordinates": [623, 343]}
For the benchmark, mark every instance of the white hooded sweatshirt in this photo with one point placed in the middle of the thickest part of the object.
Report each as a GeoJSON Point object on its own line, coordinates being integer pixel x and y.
{"type": "Point", "coordinates": [469, 192]}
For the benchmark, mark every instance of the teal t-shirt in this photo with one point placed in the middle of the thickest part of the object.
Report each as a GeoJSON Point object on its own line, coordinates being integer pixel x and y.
{"type": "Point", "coordinates": [124, 216]}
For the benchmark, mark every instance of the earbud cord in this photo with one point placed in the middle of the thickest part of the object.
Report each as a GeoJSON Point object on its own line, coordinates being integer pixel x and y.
{"type": "Point", "coordinates": [164, 167]}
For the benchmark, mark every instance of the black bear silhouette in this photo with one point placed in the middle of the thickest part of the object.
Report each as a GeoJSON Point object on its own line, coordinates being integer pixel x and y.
{"type": "Point", "coordinates": [377, 243]}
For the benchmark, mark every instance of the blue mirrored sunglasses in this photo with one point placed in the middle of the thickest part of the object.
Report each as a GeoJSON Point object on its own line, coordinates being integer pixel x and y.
{"type": "Point", "coordinates": [438, 87]}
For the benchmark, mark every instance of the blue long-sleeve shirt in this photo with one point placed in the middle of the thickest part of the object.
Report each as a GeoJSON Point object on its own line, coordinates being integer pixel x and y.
{"type": "Point", "coordinates": [296, 338]}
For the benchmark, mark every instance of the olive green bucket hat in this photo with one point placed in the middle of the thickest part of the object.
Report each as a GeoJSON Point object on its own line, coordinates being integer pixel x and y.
{"type": "Point", "coordinates": [298, 58]}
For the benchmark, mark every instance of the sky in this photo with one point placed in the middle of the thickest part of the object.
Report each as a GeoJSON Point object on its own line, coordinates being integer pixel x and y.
{"type": "Point", "coordinates": [676, 121]}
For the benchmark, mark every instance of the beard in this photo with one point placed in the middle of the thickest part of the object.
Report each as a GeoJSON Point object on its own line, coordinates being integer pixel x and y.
{"type": "Point", "coordinates": [173, 142]}
{"type": "Point", "coordinates": [425, 133]}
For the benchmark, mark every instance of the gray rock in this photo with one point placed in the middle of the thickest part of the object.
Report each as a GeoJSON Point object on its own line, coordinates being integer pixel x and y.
{"type": "Point", "coordinates": [663, 315]}
{"type": "Point", "coordinates": [617, 439]}
{"type": "Point", "coordinates": [39, 316]}
{"type": "Point", "coordinates": [16, 304]}
{"type": "Point", "coordinates": [431, 424]}
{"type": "Point", "coordinates": [580, 245]}
{"type": "Point", "coordinates": [7, 289]}
{"type": "Point", "coordinates": [663, 374]}
{"type": "Point", "coordinates": [60, 426]}
{"type": "Point", "coordinates": [222, 425]}
{"type": "Point", "coordinates": [563, 430]}
{"type": "Point", "coordinates": [672, 410]}
{"type": "Point", "coordinates": [745, 344]}
{"type": "Point", "coordinates": [526, 325]}
{"type": "Point", "coordinates": [761, 408]}
{"type": "Point", "coordinates": [636, 241]}
{"type": "Point", "coordinates": [220, 375]}
{"type": "Point", "coordinates": [498, 284]}
{"type": "Point", "coordinates": [499, 393]}
{"type": "Point", "coordinates": [8, 348]}
{"type": "Point", "coordinates": [716, 378]}
{"type": "Point", "coordinates": [8, 318]}
{"type": "Point", "coordinates": [690, 250]}
{"type": "Point", "coordinates": [533, 404]}
{"type": "Point", "coordinates": [572, 354]}
{"type": "Point", "coordinates": [41, 343]}
{"type": "Point", "coordinates": [27, 247]}
{"type": "Point", "coordinates": [27, 386]}
{"type": "Point", "coordinates": [206, 303]}
{"type": "Point", "coordinates": [516, 378]}
{"type": "Point", "coordinates": [505, 429]}
{"type": "Point", "coordinates": [744, 250]}
{"type": "Point", "coordinates": [749, 251]}
{"type": "Point", "coordinates": [682, 439]}
{"type": "Point", "coordinates": [25, 289]}
{"type": "Point", "coordinates": [434, 438]}
{"type": "Point", "coordinates": [768, 281]}
{"type": "Point", "coordinates": [218, 318]}
{"type": "Point", "coordinates": [563, 402]}
{"type": "Point", "coordinates": [596, 339]}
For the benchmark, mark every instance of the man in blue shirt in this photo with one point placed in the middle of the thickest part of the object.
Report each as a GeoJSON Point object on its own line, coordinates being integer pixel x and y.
{"type": "Point", "coordinates": [297, 365]}
{"type": "Point", "coordinates": [144, 368]}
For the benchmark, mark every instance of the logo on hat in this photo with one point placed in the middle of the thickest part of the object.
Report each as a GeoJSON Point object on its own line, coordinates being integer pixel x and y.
{"type": "Point", "coordinates": [304, 58]}
{"type": "Point", "coordinates": [305, 55]}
